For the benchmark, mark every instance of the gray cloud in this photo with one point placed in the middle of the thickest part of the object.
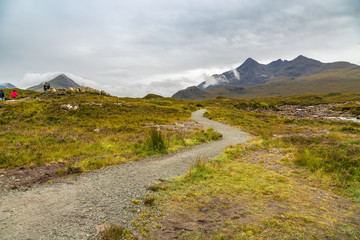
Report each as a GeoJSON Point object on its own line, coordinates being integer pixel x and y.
{"type": "Point", "coordinates": [149, 44]}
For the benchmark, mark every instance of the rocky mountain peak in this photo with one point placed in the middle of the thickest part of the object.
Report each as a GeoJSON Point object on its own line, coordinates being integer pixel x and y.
{"type": "Point", "coordinates": [250, 63]}
{"type": "Point", "coordinates": [276, 63]}
{"type": "Point", "coordinates": [61, 81]}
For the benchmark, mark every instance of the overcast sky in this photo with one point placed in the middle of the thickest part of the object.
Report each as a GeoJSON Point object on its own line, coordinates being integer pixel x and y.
{"type": "Point", "coordinates": [135, 47]}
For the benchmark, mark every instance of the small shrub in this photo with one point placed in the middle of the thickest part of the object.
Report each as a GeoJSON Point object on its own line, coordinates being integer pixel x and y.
{"type": "Point", "coordinates": [157, 186]}
{"type": "Point", "coordinates": [199, 169]}
{"type": "Point", "coordinates": [156, 141]}
{"type": "Point", "coordinates": [116, 232]}
{"type": "Point", "coordinates": [208, 135]}
{"type": "Point", "coordinates": [69, 169]}
{"type": "Point", "coordinates": [306, 158]}
{"type": "Point", "coordinates": [149, 200]}
{"type": "Point", "coordinates": [135, 202]}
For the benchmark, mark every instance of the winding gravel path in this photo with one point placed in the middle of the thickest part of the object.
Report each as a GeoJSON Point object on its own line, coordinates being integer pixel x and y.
{"type": "Point", "coordinates": [71, 209]}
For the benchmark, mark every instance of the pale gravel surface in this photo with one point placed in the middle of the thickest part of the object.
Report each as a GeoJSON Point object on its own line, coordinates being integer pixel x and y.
{"type": "Point", "coordinates": [72, 208]}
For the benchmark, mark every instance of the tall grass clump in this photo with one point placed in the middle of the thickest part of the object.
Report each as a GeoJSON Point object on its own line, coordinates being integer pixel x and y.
{"type": "Point", "coordinates": [116, 232]}
{"type": "Point", "coordinates": [199, 170]}
{"type": "Point", "coordinates": [156, 141]}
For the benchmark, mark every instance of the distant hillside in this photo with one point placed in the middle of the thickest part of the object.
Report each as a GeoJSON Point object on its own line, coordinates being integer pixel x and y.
{"type": "Point", "coordinates": [61, 81]}
{"type": "Point", "coordinates": [192, 93]}
{"type": "Point", "coordinates": [301, 75]}
{"type": "Point", "coordinates": [6, 86]}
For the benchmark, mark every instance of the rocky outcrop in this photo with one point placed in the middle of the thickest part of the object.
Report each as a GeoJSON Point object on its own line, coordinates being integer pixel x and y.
{"type": "Point", "coordinates": [70, 90]}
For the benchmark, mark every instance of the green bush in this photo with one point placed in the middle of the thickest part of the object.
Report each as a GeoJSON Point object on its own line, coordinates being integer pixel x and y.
{"type": "Point", "coordinates": [156, 141]}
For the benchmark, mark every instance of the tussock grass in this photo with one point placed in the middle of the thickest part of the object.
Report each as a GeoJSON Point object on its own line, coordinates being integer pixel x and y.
{"type": "Point", "coordinates": [117, 232]}
{"type": "Point", "coordinates": [149, 200]}
{"type": "Point", "coordinates": [156, 141]}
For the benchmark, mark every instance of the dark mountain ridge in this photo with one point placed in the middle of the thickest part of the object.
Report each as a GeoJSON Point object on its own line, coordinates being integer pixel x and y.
{"type": "Point", "coordinates": [252, 73]}
{"type": "Point", "coordinates": [280, 77]}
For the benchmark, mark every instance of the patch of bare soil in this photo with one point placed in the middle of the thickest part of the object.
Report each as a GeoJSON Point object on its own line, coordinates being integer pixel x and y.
{"type": "Point", "coordinates": [214, 216]}
{"type": "Point", "coordinates": [25, 177]}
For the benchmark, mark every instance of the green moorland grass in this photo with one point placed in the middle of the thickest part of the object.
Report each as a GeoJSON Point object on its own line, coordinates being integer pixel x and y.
{"type": "Point", "coordinates": [227, 198]}
{"type": "Point", "coordinates": [327, 148]}
{"type": "Point", "coordinates": [90, 131]}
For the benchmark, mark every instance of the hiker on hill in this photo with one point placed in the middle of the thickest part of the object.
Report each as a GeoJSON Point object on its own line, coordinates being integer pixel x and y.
{"type": "Point", "coordinates": [45, 88]}
{"type": "Point", "coordinates": [13, 94]}
{"type": "Point", "coordinates": [2, 95]}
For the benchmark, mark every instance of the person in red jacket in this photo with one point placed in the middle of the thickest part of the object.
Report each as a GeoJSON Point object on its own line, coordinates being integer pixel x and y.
{"type": "Point", "coordinates": [14, 94]}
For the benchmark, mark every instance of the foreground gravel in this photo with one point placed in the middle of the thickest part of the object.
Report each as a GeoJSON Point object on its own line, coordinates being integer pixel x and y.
{"type": "Point", "coordinates": [72, 208]}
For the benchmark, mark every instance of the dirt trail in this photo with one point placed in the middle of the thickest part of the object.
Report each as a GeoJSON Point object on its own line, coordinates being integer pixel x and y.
{"type": "Point", "coordinates": [71, 209]}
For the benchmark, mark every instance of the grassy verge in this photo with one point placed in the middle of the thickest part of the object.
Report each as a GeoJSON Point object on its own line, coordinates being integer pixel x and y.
{"type": "Point", "coordinates": [228, 198]}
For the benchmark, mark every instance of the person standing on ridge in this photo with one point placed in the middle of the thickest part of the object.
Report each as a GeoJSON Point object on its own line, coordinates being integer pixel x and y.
{"type": "Point", "coordinates": [2, 95]}
{"type": "Point", "coordinates": [45, 88]}
{"type": "Point", "coordinates": [13, 94]}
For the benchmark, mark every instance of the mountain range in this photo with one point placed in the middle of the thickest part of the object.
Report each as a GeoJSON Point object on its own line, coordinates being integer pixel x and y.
{"type": "Point", "coordinates": [280, 77]}
{"type": "Point", "coordinates": [61, 81]}
{"type": "Point", "coordinates": [6, 86]}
